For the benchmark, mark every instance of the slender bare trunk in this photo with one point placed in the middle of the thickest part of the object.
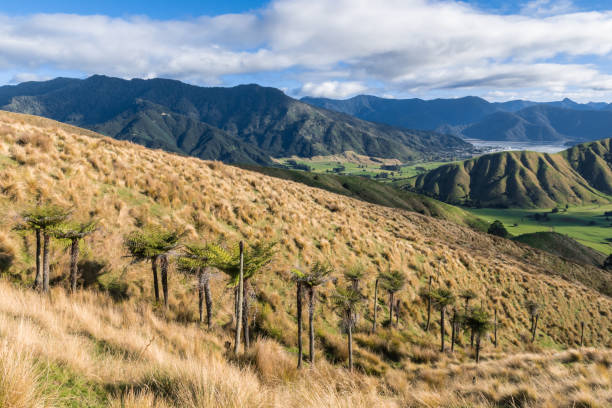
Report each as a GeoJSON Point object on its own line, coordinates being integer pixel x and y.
{"type": "Point", "coordinates": [245, 315]}
{"type": "Point", "coordinates": [442, 330]}
{"type": "Point", "coordinates": [164, 278]}
{"type": "Point", "coordinates": [535, 328]}
{"type": "Point", "coordinates": [495, 330]}
{"type": "Point", "coordinates": [155, 281]}
{"type": "Point", "coordinates": [397, 306]}
{"type": "Point", "coordinates": [201, 294]}
{"type": "Point", "coordinates": [390, 309]}
{"type": "Point", "coordinates": [453, 329]}
{"type": "Point", "coordinates": [299, 323]}
{"type": "Point", "coordinates": [38, 279]}
{"type": "Point", "coordinates": [74, 257]}
{"type": "Point", "coordinates": [581, 334]}
{"type": "Point", "coordinates": [45, 261]}
{"type": "Point", "coordinates": [428, 306]}
{"type": "Point", "coordinates": [239, 300]}
{"type": "Point", "coordinates": [478, 349]}
{"type": "Point", "coordinates": [350, 346]}
{"type": "Point", "coordinates": [207, 298]}
{"type": "Point", "coordinates": [311, 293]}
{"type": "Point", "coordinates": [472, 337]}
{"type": "Point", "coordinates": [375, 306]}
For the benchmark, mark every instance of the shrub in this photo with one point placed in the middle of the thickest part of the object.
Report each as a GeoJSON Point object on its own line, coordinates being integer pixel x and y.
{"type": "Point", "coordinates": [497, 228]}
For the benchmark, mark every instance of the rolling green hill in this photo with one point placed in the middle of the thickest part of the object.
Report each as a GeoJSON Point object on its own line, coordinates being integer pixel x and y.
{"type": "Point", "coordinates": [562, 246]}
{"type": "Point", "coordinates": [244, 124]}
{"type": "Point", "coordinates": [580, 175]}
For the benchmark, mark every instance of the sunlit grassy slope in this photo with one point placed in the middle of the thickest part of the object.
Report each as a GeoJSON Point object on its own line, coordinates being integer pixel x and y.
{"type": "Point", "coordinates": [586, 224]}
{"type": "Point", "coordinates": [91, 350]}
{"type": "Point", "coordinates": [376, 193]}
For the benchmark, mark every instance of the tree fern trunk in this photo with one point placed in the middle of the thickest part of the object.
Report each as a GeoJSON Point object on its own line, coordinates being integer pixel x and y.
{"type": "Point", "coordinates": [239, 290]}
{"type": "Point", "coordinates": [311, 350]}
{"type": "Point", "coordinates": [74, 257]}
{"type": "Point", "coordinates": [245, 315]}
{"type": "Point", "coordinates": [201, 294]}
{"type": "Point", "coordinates": [38, 279]}
{"type": "Point", "coordinates": [442, 330]}
{"type": "Point", "coordinates": [299, 323]}
{"type": "Point", "coordinates": [350, 346]}
{"type": "Point", "coordinates": [45, 261]}
{"type": "Point", "coordinates": [164, 278]}
{"type": "Point", "coordinates": [397, 306]}
{"type": "Point", "coordinates": [155, 281]}
{"type": "Point", "coordinates": [390, 309]}
{"type": "Point", "coordinates": [535, 328]}
{"type": "Point", "coordinates": [207, 298]}
{"type": "Point", "coordinates": [453, 329]}
{"type": "Point", "coordinates": [375, 306]}
{"type": "Point", "coordinates": [428, 306]}
{"type": "Point", "coordinates": [495, 329]}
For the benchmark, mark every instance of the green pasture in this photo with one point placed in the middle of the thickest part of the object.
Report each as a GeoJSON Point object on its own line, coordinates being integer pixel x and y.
{"type": "Point", "coordinates": [367, 170]}
{"type": "Point", "coordinates": [586, 224]}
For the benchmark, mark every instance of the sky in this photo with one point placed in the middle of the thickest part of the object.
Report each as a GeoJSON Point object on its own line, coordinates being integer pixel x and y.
{"type": "Point", "coordinates": [501, 50]}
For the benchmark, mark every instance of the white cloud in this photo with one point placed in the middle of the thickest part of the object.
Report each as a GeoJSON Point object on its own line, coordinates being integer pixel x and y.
{"type": "Point", "coordinates": [334, 47]}
{"type": "Point", "coordinates": [27, 77]}
{"type": "Point", "coordinates": [333, 89]}
{"type": "Point", "coordinates": [548, 7]}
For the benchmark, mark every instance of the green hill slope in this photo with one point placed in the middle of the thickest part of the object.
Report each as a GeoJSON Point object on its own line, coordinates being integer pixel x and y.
{"type": "Point", "coordinates": [562, 246]}
{"type": "Point", "coordinates": [580, 175]}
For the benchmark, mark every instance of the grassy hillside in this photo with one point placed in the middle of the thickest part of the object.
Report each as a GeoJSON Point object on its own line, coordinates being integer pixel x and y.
{"type": "Point", "coordinates": [376, 193]}
{"type": "Point", "coordinates": [87, 351]}
{"type": "Point", "coordinates": [523, 179]}
{"type": "Point", "coordinates": [563, 246]}
{"type": "Point", "coordinates": [586, 224]}
{"type": "Point", "coordinates": [92, 348]}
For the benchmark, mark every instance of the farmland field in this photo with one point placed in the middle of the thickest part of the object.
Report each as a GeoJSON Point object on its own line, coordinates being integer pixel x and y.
{"type": "Point", "coordinates": [370, 169]}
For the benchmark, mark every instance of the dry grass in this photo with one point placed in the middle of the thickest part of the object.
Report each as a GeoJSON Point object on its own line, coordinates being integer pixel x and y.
{"type": "Point", "coordinates": [141, 359]}
{"type": "Point", "coordinates": [134, 353]}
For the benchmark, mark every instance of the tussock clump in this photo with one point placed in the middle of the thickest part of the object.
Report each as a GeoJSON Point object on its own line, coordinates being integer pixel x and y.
{"type": "Point", "coordinates": [21, 382]}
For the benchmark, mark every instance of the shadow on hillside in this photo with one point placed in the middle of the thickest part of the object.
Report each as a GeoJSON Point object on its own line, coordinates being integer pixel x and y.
{"type": "Point", "coordinates": [90, 271]}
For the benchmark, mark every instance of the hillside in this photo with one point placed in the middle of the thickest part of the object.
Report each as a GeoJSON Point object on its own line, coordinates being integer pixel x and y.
{"type": "Point", "coordinates": [475, 118]}
{"type": "Point", "coordinates": [244, 124]}
{"type": "Point", "coordinates": [580, 175]}
{"type": "Point", "coordinates": [376, 193]}
{"type": "Point", "coordinates": [562, 246]}
{"type": "Point", "coordinates": [105, 348]}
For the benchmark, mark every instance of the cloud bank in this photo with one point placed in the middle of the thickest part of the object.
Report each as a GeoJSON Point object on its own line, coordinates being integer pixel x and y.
{"type": "Point", "coordinates": [337, 48]}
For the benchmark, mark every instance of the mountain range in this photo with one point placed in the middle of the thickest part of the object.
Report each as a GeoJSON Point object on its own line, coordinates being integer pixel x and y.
{"type": "Point", "coordinates": [475, 118]}
{"type": "Point", "coordinates": [579, 175]}
{"type": "Point", "coordinates": [246, 124]}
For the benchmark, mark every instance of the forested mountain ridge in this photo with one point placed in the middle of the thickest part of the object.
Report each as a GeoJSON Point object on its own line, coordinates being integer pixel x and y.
{"type": "Point", "coordinates": [243, 124]}
{"type": "Point", "coordinates": [475, 118]}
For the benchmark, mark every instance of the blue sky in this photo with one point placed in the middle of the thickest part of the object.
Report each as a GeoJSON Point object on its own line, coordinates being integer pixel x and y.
{"type": "Point", "coordinates": [500, 50]}
{"type": "Point", "coordinates": [163, 9]}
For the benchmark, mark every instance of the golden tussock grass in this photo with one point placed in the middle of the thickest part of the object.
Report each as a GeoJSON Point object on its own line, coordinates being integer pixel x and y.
{"type": "Point", "coordinates": [137, 355]}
